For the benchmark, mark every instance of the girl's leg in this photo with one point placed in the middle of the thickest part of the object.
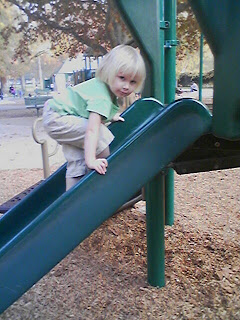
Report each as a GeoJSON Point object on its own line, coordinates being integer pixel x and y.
{"type": "Point", "coordinates": [104, 154]}
{"type": "Point", "coordinates": [70, 182]}
{"type": "Point", "coordinates": [76, 167]}
{"type": "Point", "coordinates": [69, 131]}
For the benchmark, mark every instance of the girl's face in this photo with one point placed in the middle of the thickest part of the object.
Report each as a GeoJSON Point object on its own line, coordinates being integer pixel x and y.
{"type": "Point", "coordinates": [123, 84]}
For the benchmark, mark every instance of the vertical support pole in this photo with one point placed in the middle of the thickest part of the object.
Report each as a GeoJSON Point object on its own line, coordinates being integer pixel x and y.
{"type": "Point", "coordinates": [152, 45]}
{"type": "Point", "coordinates": [44, 149]}
{"type": "Point", "coordinates": [170, 87]}
{"type": "Point", "coordinates": [169, 197]}
{"type": "Point", "coordinates": [155, 195]}
{"type": "Point", "coordinates": [201, 68]}
{"type": "Point", "coordinates": [46, 169]}
{"type": "Point", "coordinates": [155, 231]}
{"type": "Point", "coordinates": [40, 72]}
{"type": "Point", "coordinates": [159, 81]}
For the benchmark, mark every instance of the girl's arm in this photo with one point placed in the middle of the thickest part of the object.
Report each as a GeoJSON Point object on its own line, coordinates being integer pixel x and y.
{"type": "Point", "coordinates": [91, 139]}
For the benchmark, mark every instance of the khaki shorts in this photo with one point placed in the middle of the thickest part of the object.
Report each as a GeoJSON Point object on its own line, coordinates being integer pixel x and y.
{"type": "Point", "coordinates": [69, 131]}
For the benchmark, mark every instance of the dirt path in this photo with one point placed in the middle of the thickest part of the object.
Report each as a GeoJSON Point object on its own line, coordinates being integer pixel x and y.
{"type": "Point", "coordinates": [17, 146]}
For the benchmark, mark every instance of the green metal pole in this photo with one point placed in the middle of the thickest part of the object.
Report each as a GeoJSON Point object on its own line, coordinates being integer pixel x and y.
{"type": "Point", "coordinates": [170, 51]}
{"type": "Point", "coordinates": [170, 87]}
{"type": "Point", "coordinates": [201, 68]}
{"type": "Point", "coordinates": [146, 21]}
{"type": "Point", "coordinates": [159, 90]}
{"type": "Point", "coordinates": [154, 192]}
{"type": "Point", "coordinates": [169, 197]}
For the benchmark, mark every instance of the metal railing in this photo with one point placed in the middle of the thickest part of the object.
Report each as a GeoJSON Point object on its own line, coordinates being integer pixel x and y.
{"type": "Point", "coordinates": [44, 149]}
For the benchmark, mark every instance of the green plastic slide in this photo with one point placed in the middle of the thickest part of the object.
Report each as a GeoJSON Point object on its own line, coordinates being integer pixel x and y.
{"type": "Point", "coordinates": [49, 223]}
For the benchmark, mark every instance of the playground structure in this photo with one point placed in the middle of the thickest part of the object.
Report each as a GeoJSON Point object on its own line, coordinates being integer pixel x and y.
{"type": "Point", "coordinates": [46, 225]}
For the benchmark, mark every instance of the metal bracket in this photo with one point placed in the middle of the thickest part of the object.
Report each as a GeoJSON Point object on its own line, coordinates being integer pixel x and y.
{"type": "Point", "coordinates": [164, 24]}
{"type": "Point", "coordinates": [171, 43]}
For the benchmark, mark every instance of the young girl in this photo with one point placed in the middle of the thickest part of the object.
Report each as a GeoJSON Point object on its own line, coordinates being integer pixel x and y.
{"type": "Point", "coordinates": [76, 117]}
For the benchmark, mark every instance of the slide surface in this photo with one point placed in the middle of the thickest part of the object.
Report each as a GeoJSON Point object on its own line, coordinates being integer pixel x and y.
{"type": "Point", "coordinates": [49, 223]}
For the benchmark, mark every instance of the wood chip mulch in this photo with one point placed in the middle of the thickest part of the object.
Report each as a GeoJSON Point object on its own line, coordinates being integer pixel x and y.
{"type": "Point", "coordinates": [105, 277]}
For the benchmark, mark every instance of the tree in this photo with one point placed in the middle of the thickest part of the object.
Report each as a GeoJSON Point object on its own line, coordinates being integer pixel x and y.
{"type": "Point", "coordinates": [70, 26]}
{"type": "Point", "coordinates": [6, 53]}
{"type": "Point", "coordinates": [8, 66]}
{"type": "Point", "coordinates": [188, 32]}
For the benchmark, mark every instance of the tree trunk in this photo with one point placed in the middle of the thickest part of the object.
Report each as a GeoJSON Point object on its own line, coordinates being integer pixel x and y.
{"type": "Point", "coordinates": [3, 81]}
{"type": "Point", "coordinates": [23, 84]}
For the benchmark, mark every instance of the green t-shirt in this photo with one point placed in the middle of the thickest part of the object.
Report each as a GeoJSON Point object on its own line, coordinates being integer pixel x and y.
{"type": "Point", "coordinates": [89, 96]}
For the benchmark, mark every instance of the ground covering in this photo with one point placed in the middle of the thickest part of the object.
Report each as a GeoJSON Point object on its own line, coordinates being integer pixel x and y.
{"type": "Point", "coordinates": [105, 277]}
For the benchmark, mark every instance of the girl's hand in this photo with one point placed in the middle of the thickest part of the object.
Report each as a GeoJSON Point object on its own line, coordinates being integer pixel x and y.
{"type": "Point", "coordinates": [117, 117]}
{"type": "Point", "coordinates": [100, 165]}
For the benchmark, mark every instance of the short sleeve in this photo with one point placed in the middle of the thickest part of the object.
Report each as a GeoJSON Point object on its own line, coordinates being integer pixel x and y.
{"type": "Point", "coordinates": [100, 106]}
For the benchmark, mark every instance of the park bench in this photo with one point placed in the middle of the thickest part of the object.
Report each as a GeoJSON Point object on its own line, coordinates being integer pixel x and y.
{"type": "Point", "coordinates": [36, 102]}
{"type": "Point", "coordinates": [45, 91]}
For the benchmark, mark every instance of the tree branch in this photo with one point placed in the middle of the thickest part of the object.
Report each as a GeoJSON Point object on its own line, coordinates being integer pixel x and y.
{"type": "Point", "coordinates": [36, 16]}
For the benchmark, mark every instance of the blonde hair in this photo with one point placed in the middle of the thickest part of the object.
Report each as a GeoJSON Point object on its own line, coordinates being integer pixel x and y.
{"type": "Point", "coordinates": [125, 59]}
